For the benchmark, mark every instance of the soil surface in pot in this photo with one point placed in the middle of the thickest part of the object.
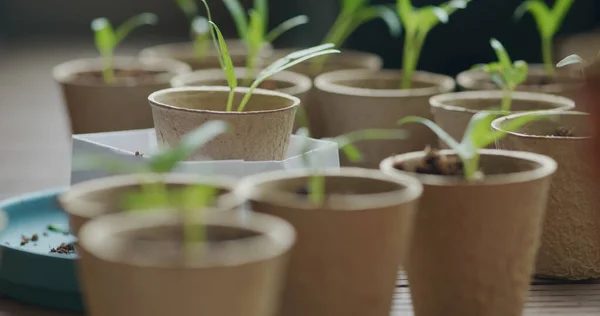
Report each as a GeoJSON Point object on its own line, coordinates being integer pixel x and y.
{"type": "Point", "coordinates": [564, 132]}
{"type": "Point", "coordinates": [435, 164]}
{"type": "Point", "coordinates": [121, 76]}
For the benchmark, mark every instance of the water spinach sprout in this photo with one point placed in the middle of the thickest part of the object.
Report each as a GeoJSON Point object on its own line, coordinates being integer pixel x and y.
{"type": "Point", "coordinates": [253, 28]}
{"type": "Point", "coordinates": [279, 65]}
{"type": "Point", "coordinates": [107, 39]}
{"type": "Point", "coordinates": [417, 24]}
{"type": "Point", "coordinates": [506, 74]}
{"type": "Point", "coordinates": [353, 14]}
{"type": "Point", "coordinates": [478, 135]}
{"type": "Point", "coordinates": [548, 22]}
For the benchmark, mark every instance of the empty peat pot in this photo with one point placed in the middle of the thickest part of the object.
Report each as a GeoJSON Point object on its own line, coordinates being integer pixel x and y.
{"type": "Point", "coordinates": [260, 133]}
{"type": "Point", "coordinates": [564, 83]}
{"type": "Point", "coordinates": [348, 248]}
{"type": "Point", "coordinates": [347, 59]}
{"type": "Point", "coordinates": [287, 82]}
{"type": "Point", "coordinates": [137, 264]}
{"type": "Point", "coordinates": [90, 199]}
{"type": "Point", "coordinates": [453, 111]}
{"type": "Point", "coordinates": [95, 106]}
{"type": "Point", "coordinates": [186, 53]}
{"type": "Point", "coordinates": [351, 100]}
{"type": "Point", "coordinates": [571, 240]}
{"type": "Point", "coordinates": [474, 243]}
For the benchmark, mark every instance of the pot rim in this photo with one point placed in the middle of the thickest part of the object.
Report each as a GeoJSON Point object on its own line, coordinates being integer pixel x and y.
{"type": "Point", "coordinates": [439, 101]}
{"type": "Point", "coordinates": [275, 237]}
{"type": "Point", "coordinates": [300, 83]}
{"type": "Point", "coordinates": [497, 125]}
{"type": "Point", "coordinates": [439, 83]}
{"type": "Point", "coordinates": [87, 209]}
{"type": "Point", "coordinates": [469, 79]}
{"type": "Point", "coordinates": [64, 72]}
{"type": "Point", "coordinates": [154, 95]}
{"type": "Point", "coordinates": [247, 189]}
{"type": "Point", "coordinates": [547, 167]}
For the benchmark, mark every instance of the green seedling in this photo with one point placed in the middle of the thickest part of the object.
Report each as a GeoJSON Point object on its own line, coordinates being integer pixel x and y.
{"type": "Point", "coordinates": [155, 195]}
{"type": "Point", "coordinates": [253, 28]}
{"type": "Point", "coordinates": [353, 14]}
{"type": "Point", "coordinates": [199, 27]}
{"type": "Point", "coordinates": [548, 22]}
{"type": "Point", "coordinates": [316, 182]}
{"type": "Point", "coordinates": [107, 38]}
{"type": "Point", "coordinates": [417, 24]}
{"type": "Point", "coordinates": [576, 59]}
{"type": "Point", "coordinates": [478, 135]}
{"type": "Point", "coordinates": [506, 74]}
{"type": "Point", "coordinates": [279, 65]}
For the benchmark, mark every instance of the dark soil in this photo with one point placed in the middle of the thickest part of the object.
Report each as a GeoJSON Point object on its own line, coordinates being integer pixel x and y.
{"type": "Point", "coordinates": [271, 85]}
{"type": "Point", "coordinates": [121, 76]}
{"type": "Point", "coordinates": [138, 154]}
{"type": "Point", "coordinates": [64, 249]}
{"type": "Point", "coordinates": [302, 191]}
{"type": "Point", "coordinates": [563, 132]}
{"type": "Point", "coordinates": [434, 164]}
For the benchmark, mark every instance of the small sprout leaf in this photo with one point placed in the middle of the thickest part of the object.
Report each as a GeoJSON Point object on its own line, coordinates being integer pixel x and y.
{"type": "Point", "coordinates": [189, 8]}
{"type": "Point", "coordinates": [286, 26]}
{"type": "Point", "coordinates": [501, 53]}
{"type": "Point", "coordinates": [445, 137]}
{"type": "Point", "coordinates": [134, 22]}
{"type": "Point", "coordinates": [239, 15]}
{"type": "Point", "coordinates": [570, 60]}
{"type": "Point", "coordinates": [441, 14]}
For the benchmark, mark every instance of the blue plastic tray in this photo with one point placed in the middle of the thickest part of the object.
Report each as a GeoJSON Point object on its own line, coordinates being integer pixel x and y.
{"type": "Point", "coordinates": [31, 273]}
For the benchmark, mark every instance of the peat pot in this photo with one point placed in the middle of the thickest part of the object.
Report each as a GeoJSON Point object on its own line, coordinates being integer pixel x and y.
{"type": "Point", "coordinates": [95, 106]}
{"type": "Point", "coordinates": [136, 264]}
{"type": "Point", "coordinates": [453, 111]}
{"type": "Point", "coordinates": [87, 200]}
{"type": "Point", "coordinates": [571, 240]}
{"type": "Point", "coordinates": [185, 52]}
{"type": "Point", "coordinates": [348, 59]}
{"type": "Point", "coordinates": [349, 248]}
{"type": "Point", "coordinates": [260, 133]}
{"type": "Point", "coordinates": [285, 82]}
{"type": "Point", "coordinates": [351, 100]}
{"type": "Point", "coordinates": [564, 83]}
{"type": "Point", "coordinates": [474, 243]}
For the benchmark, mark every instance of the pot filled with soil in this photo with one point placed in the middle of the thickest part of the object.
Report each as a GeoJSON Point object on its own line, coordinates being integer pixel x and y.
{"type": "Point", "coordinates": [453, 111]}
{"type": "Point", "coordinates": [287, 82]}
{"type": "Point", "coordinates": [348, 59]}
{"type": "Point", "coordinates": [474, 242]}
{"type": "Point", "coordinates": [186, 53]}
{"type": "Point", "coordinates": [563, 83]}
{"type": "Point", "coordinates": [96, 106]}
{"type": "Point", "coordinates": [570, 246]}
{"type": "Point", "coordinates": [349, 245]}
{"type": "Point", "coordinates": [357, 99]}
{"type": "Point", "coordinates": [99, 197]}
{"type": "Point", "coordinates": [260, 132]}
{"type": "Point", "coordinates": [140, 264]}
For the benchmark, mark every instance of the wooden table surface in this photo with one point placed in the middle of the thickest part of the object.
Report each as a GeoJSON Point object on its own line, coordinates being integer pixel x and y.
{"type": "Point", "coordinates": [35, 155]}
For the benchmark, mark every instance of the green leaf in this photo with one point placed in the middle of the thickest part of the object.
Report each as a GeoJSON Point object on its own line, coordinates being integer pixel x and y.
{"type": "Point", "coordinates": [352, 153]}
{"type": "Point", "coordinates": [407, 14]}
{"type": "Point", "coordinates": [239, 16]}
{"type": "Point", "coordinates": [134, 22]}
{"type": "Point", "coordinates": [541, 13]}
{"type": "Point", "coordinates": [262, 8]}
{"type": "Point", "coordinates": [570, 60]}
{"type": "Point", "coordinates": [385, 13]}
{"type": "Point", "coordinates": [352, 6]}
{"type": "Point", "coordinates": [445, 137]}
{"type": "Point", "coordinates": [286, 26]}
{"type": "Point", "coordinates": [501, 53]}
{"type": "Point", "coordinates": [478, 131]}
{"type": "Point", "coordinates": [189, 8]}
{"type": "Point", "coordinates": [167, 159]}
{"type": "Point", "coordinates": [515, 124]}
{"type": "Point", "coordinates": [226, 64]}
{"type": "Point", "coordinates": [254, 35]}
{"type": "Point", "coordinates": [104, 36]}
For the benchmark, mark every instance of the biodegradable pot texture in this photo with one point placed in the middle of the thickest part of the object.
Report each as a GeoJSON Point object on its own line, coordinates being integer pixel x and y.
{"type": "Point", "coordinates": [474, 243]}
{"type": "Point", "coordinates": [350, 100]}
{"type": "Point", "coordinates": [571, 239]}
{"type": "Point", "coordinates": [184, 52]}
{"type": "Point", "coordinates": [565, 83]}
{"type": "Point", "coordinates": [453, 111]}
{"type": "Point", "coordinates": [99, 197]}
{"type": "Point", "coordinates": [347, 254]}
{"type": "Point", "coordinates": [260, 133]}
{"type": "Point", "coordinates": [95, 106]}
{"type": "Point", "coordinates": [137, 265]}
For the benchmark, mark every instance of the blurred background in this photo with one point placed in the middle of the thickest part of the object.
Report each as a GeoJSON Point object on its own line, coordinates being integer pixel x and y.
{"type": "Point", "coordinates": [36, 35]}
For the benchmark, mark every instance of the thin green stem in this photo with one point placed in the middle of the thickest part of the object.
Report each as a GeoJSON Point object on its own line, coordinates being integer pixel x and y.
{"type": "Point", "coordinates": [507, 100]}
{"type": "Point", "coordinates": [470, 167]}
{"type": "Point", "coordinates": [108, 70]}
{"type": "Point", "coordinates": [316, 189]}
{"type": "Point", "coordinates": [547, 56]}
{"type": "Point", "coordinates": [412, 51]}
{"type": "Point", "coordinates": [250, 66]}
{"type": "Point", "coordinates": [247, 96]}
{"type": "Point", "coordinates": [230, 100]}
